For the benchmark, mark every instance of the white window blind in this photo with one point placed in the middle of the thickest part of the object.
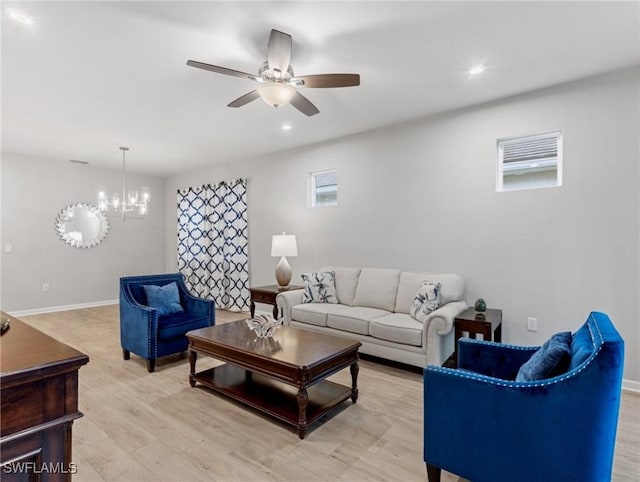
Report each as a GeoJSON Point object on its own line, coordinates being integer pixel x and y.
{"type": "Point", "coordinates": [324, 188]}
{"type": "Point", "coordinates": [530, 162]}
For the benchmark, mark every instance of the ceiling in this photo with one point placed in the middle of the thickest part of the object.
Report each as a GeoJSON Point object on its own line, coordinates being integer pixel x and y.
{"type": "Point", "coordinates": [91, 76]}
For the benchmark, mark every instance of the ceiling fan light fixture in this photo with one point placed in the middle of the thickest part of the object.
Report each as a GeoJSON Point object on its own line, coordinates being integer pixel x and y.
{"type": "Point", "coordinates": [276, 81]}
{"type": "Point", "coordinates": [276, 93]}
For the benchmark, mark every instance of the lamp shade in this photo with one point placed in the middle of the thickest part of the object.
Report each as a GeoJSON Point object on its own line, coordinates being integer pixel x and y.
{"type": "Point", "coordinates": [284, 245]}
{"type": "Point", "coordinates": [276, 93]}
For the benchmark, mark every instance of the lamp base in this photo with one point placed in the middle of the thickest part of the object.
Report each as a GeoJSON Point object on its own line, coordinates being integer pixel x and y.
{"type": "Point", "coordinates": [283, 273]}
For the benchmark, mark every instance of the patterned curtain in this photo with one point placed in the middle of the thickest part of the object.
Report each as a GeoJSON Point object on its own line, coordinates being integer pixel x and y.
{"type": "Point", "coordinates": [213, 247]}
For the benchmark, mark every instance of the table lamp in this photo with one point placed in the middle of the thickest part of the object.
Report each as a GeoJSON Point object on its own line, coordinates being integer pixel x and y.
{"type": "Point", "coordinates": [283, 245]}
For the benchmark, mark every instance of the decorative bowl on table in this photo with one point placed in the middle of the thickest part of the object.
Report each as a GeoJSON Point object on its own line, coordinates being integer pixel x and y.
{"type": "Point", "coordinates": [263, 325]}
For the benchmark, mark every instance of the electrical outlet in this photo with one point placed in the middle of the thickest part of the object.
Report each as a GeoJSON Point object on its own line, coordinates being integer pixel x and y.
{"type": "Point", "coordinates": [8, 248]}
{"type": "Point", "coordinates": [532, 324]}
{"type": "Point", "coordinates": [45, 287]}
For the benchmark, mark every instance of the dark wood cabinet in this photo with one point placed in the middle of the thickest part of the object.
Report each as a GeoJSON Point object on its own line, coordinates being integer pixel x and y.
{"type": "Point", "coordinates": [39, 402]}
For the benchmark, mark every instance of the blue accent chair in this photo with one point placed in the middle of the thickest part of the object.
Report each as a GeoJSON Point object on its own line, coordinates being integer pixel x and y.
{"type": "Point", "coordinates": [150, 336]}
{"type": "Point", "coordinates": [481, 425]}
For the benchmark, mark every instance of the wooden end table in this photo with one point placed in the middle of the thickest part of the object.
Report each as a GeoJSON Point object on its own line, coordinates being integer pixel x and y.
{"type": "Point", "coordinates": [267, 295]}
{"type": "Point", "coordinates": [488, 324]}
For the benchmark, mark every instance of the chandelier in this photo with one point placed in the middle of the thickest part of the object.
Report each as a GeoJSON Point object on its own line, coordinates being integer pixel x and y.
{"type": "Point", "coordinates": [132, 202]}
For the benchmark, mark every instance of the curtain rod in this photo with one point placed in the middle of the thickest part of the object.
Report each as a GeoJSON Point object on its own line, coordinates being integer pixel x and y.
{"type": "Point", "coordinates": [228, 182]}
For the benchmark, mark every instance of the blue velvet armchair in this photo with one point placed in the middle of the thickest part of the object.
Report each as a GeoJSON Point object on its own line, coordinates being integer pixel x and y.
{"type": "Point", "coordinates": [481, 425]}
{"type": "Point", "coordinates": [147, 334]}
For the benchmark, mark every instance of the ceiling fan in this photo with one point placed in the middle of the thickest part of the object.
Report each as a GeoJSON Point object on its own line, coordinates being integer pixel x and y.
{"type": "Point", "coordinates": [276, 80]}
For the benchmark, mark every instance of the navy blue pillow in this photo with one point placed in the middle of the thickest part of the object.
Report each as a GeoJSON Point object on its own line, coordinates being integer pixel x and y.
{"type": "Point", "coordinates": [165, 299]}
{"type": "Point", "coordinates": [550, 360]}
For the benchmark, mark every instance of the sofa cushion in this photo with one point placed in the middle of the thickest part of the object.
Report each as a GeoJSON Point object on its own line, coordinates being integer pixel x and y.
{"type": "Point", "coordinates": [314, 313]}
{"type": "Point", "coordinates": [354, 319]}
{"type": "Point", "coordinates": [551, 359]}
{"type": "Point", "coordinates": [164, 299]}
{"type": "Point", "coordinates": [319, 288]}
{"type": "Point", "coordinates": [377, 288]}
{"type": "Point", "coordinates": [427, 299]}
{"type": "Point", "coordinates": [452, 288]}
{"type": "Point", "coordinates": [398, 328]}
{"type": "Point", "coordinates": [346, 282]}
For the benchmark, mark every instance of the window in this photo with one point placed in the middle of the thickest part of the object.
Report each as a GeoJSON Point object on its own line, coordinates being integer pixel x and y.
{"type": "Point", "coordinates": [530, 162]}
{"type": "Point", "coordinates": [323, 188]}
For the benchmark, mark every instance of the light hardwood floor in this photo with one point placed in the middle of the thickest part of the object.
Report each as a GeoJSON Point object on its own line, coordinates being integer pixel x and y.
{"type": "Point", "coordinates": [141, 426]}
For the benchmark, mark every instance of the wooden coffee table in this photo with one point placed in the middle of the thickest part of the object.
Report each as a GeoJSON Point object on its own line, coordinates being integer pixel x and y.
{"type": "Point", "coordinates": [283, 376]}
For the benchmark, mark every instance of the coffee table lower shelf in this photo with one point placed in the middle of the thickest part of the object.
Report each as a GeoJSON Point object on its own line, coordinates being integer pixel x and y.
{"type": "Point", "coordinates": [271, 396]}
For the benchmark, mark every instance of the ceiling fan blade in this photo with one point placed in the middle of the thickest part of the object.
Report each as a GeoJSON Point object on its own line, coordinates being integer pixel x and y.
{"type": "Point", "coordinates": [304, 105]}
{"type": "Point", "coordinates": [327, 80]}
{"type": "Point", "coordinates": [220, 70]}
{"type": "Point", "coordinates": [245, 99]}
{"type": "Point", "coordinates": [279, 51]}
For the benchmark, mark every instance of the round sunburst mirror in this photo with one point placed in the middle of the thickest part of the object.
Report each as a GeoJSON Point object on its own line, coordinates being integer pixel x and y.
{"type": "Point", "coordinates": [82, 225]}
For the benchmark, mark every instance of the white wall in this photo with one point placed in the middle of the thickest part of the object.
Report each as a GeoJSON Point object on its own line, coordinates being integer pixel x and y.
{"type": "Point", "coordinates": [421, 196]}
{"type": "Point", "coordinates": [34, 191]}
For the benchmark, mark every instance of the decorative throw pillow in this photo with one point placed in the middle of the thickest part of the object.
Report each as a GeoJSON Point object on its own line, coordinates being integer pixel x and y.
{"type": "Point", "coordinates": [165, 299]}
{"type": "Point", "coordinates": [427, 300]}
{"type": "Point", "coordinates": [550, 360]}
{"type": "Point", "coordinates": [319, 287]}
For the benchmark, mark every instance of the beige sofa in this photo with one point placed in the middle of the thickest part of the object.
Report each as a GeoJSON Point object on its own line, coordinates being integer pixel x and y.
{"type": "Point", "coordinates": [373, 307]}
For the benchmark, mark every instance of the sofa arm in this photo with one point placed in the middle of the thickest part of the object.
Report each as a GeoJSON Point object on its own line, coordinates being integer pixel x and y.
{"type": "Point", "coordinates": [286, 301]}
{"type": "Point", "coordinates": [491, 358]}
{"type": "Point", "coordinates": [442, 318]}
{"type": "Point", "coordinates": [438, 324]}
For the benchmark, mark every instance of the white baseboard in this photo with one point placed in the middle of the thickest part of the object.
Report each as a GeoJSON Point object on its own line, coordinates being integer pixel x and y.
{"type": "Point", "coordinates": [53, 309]}
{"type": "Point", "coordinates": [631, 386]}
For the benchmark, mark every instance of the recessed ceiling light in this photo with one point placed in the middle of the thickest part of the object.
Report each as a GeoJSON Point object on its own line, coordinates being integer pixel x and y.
{"type": "Point", "coordinates": [286, 126]}
{"type": "Point", "coordinates": [20, 16]}
{"type": "Point", "coordinates": [477, 69]}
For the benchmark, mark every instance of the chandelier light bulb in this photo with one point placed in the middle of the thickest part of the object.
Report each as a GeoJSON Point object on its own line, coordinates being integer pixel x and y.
{"type": "Point", "coordinates": [133, 197]}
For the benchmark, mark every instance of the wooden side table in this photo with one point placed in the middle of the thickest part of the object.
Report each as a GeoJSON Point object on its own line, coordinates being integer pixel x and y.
{"type": "Point", "coordinates": [488, 324]}
{"type": "Point", "coordinates": [267, 295]}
